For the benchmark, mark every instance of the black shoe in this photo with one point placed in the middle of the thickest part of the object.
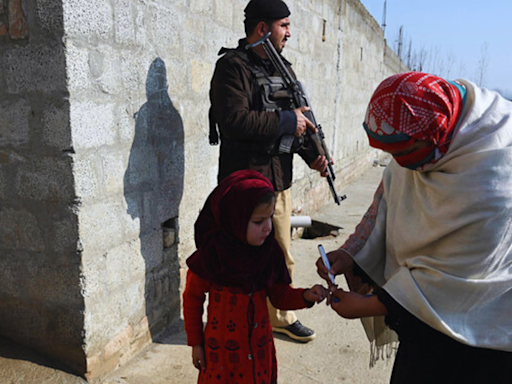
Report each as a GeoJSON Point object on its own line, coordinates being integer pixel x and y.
{"type": "Point", "coordinates": [297, 331]}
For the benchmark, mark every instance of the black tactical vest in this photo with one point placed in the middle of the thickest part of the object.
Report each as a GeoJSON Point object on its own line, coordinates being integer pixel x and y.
{"type": "Point", "coordinates": [275, 96]}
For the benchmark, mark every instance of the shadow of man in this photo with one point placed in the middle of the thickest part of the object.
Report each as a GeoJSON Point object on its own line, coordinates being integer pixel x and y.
{"type": "Point", "coordinates": [153, 188]}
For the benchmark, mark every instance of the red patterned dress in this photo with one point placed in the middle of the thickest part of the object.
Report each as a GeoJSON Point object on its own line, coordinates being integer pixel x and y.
{"type": "Point", "coordinates": [238, 342]}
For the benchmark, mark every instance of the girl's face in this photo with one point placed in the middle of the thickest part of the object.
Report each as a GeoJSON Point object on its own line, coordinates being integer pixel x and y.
{"type": "Point", "coordinates": [260, 224]}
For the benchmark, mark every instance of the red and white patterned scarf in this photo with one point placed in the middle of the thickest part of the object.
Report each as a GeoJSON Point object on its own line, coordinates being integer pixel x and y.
{"type": "Point", "coordinates": [413, 106]}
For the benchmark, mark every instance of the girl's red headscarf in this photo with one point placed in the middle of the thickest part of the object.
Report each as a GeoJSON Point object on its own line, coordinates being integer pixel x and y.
{"type": "Point", "coordinates": [413, 106]}
{"type": "Point", "coordinates": [223, 255]}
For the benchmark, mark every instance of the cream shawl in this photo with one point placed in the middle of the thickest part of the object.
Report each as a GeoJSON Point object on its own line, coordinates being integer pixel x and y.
{"type": "Point", "coordinates": [442, 242]}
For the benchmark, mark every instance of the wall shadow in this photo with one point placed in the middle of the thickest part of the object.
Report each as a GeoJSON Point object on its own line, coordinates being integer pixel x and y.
{"type": "Point", "coordinates": [153, 189]}
{"type": "Point", "coordinates": [10, 350]}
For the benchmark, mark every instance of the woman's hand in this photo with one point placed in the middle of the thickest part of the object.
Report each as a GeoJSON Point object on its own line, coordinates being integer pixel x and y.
{"type": "Point", "coordinates": [352, 305]}
{"type": "Point", "coordinates": [341, 263]}
{"type": "Point", "coordinates": [316, 294]}
{"type": "Point", "coordinates": [198, 357]}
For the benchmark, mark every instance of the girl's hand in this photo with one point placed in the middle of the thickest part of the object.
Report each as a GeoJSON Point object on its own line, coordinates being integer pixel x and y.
{"type": "Point", "coordinates": [352, 305]}
{"type": "Point", "coordinates": [316, 294]}
{"type": "Point", "coordinates": [198, 357]}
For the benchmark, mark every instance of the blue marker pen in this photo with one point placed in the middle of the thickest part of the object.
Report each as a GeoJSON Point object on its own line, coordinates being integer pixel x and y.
{"type": "Point", "coordinates": [328, 266]}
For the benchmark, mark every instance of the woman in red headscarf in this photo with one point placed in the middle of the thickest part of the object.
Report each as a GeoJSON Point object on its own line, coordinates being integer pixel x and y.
{"type": "Point", "coordinates": [238, 263]}
{"type": "Point", "coordinates": [435, 248]}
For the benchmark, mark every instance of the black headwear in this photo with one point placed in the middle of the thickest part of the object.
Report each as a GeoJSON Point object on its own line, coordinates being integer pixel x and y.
{"type": "Point", "coordinates": [266, 10]}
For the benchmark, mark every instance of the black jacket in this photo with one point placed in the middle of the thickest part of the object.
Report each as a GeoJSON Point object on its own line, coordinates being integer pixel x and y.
{"type": "Point", "coordinates": [246, 130]}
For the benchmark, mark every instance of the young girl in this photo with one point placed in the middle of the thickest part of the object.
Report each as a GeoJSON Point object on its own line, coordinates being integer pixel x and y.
{"type": "Point", "coordinates": [239, 264]}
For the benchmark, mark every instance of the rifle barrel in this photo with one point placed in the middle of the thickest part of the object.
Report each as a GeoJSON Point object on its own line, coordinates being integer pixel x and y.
{"type": "Point", "coordinates": [300, 99]}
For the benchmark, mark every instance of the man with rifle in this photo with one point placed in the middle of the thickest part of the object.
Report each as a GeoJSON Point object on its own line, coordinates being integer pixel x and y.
{"type": "Point", "coordinates": [261, 127]}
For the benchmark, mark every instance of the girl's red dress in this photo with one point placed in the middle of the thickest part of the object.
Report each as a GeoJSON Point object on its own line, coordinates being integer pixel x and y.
{"type": "Point", "coordinates": [238, 342]}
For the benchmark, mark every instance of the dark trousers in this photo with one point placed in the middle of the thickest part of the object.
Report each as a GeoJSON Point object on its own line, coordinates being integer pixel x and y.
{"type": "Point", "coordinates": [430, 357]}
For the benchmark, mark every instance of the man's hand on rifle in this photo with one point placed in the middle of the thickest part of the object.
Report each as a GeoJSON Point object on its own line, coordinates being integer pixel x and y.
{"type": "Point", "coordinates": [303, 122]}
{"type": "Point", "coordinates": [320, 165]}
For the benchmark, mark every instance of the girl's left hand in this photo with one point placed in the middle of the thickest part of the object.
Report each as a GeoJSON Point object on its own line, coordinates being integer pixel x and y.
{"type": "Point", "coordinates": [198, 357]}
{"type": "Point", "coordinates": [316, 294]}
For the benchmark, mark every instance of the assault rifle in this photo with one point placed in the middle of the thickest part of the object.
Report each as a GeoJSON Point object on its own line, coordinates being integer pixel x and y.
{"type": "Point", "coordinates": [300, 99]}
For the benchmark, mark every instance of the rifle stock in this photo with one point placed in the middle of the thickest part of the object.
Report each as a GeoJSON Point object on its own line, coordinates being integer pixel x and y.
{"type": "Point", "coordinates": [299, 100]}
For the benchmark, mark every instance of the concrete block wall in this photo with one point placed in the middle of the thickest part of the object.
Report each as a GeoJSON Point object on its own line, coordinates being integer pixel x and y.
{"type": "Point", "coordinates": [129, 80]}
{"type": "Point", "coordinates": [105, 161]}
{"type": "Point", "coordinates": [42, 304]}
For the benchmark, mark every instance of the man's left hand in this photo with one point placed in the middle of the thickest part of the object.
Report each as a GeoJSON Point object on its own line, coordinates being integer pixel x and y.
{"type": "Point", "coordinates": [320, 165]}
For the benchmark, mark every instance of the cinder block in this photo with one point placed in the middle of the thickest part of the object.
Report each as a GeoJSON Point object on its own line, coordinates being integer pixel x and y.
{"type": "Point", "coordinates": [94, 274]}
{"type": "Point", "coordinates": [201, 73]}
{"type": "Point", "coordinates": [194, 38]}
{"type": "Point", "coordinates": [100, 226]}
{"type": "Point", "coordinates": [65, 238]}
{"type": "Point", "coordinates": [77, 66]}
{"type": "Point", "coordinates": [19, 230]}
{"type": "Point", "coordinates": [86, 177]}
{"type": "Point", "coordinates": [142, 166]}
{"type": "Point", "coordinates": [114, 166]}
{"type": "Point", "coordinates": [131, 301]}
{"type": "Point", "coordinates": [56, 128]}
{"type": "Point", "coordinates": [171, 262]}
{"type": "Point", "coordinates": [169, 200]}
{"type": "Point", "coordinates": [12, 269]}
{"type": "Point", "coordinates": [14, 123]}
{"type": "Point", "coordinates": [3, 184]}
{"type": "Point", "coordinates": [104, 67]}
{"type": "Point", "coordinates": [136, 261]}
{"type": "Point", "coordinates": [53, 284]}
{"type": "Point", "coordinates": [92, 124]}
{"type": "Point", "coordinates": [132, 217]}
{"type": "Point", "coordinates": [152, 249]}
{"type": "Point", "coordinates": [125, 122]}
{"type": "Point", "coordinates": [34, 68]}
{"type": "Point", "coordinates": [45, 179]}
{"type": "Point", "coordinates": [150, 222]}
{"type": "Point", "coordinates": [223, 12]}
{"type": "Point", "coordinates": [238, 11]}
{"type": "Point", "coordinates": [166, 32]}
{"type": "Point", "coordinates": [133, 72]}
{"type": "Point", "coordinates": [102, 322]}
{"type": "Point", "coordinates": [26, 322]}
{"type": "Point", "coordinates": [201, 6]}
{"type": "Point", "coordinates": [88, 19]}
{"type": "Point", "coordinates": [140, 28]}
{"type": "Point", "coordinates": [49, 15]}
{"type": "Point", "coordinates": [124, 27]}
{"type": "Point", "coordinates": [197, 157]}
{"type": "Point", "coordinates": [221, 36]}
{"type": "Point", "coordinates": [197, 126]}
{"type": "Point", "coordinates": [118, 270]}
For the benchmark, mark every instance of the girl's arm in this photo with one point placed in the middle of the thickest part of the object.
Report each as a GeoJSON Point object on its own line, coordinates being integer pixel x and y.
{"type": "Point", "coordinates": [193, 307]}
{"type": "Point", "coordinates": [283, 296]}
{"type": "Point", "coordinates": [352, 305]}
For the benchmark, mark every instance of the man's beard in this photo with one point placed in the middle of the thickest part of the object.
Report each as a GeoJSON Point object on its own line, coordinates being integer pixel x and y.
{"type": "Point", "coordinates": [279, 47]}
